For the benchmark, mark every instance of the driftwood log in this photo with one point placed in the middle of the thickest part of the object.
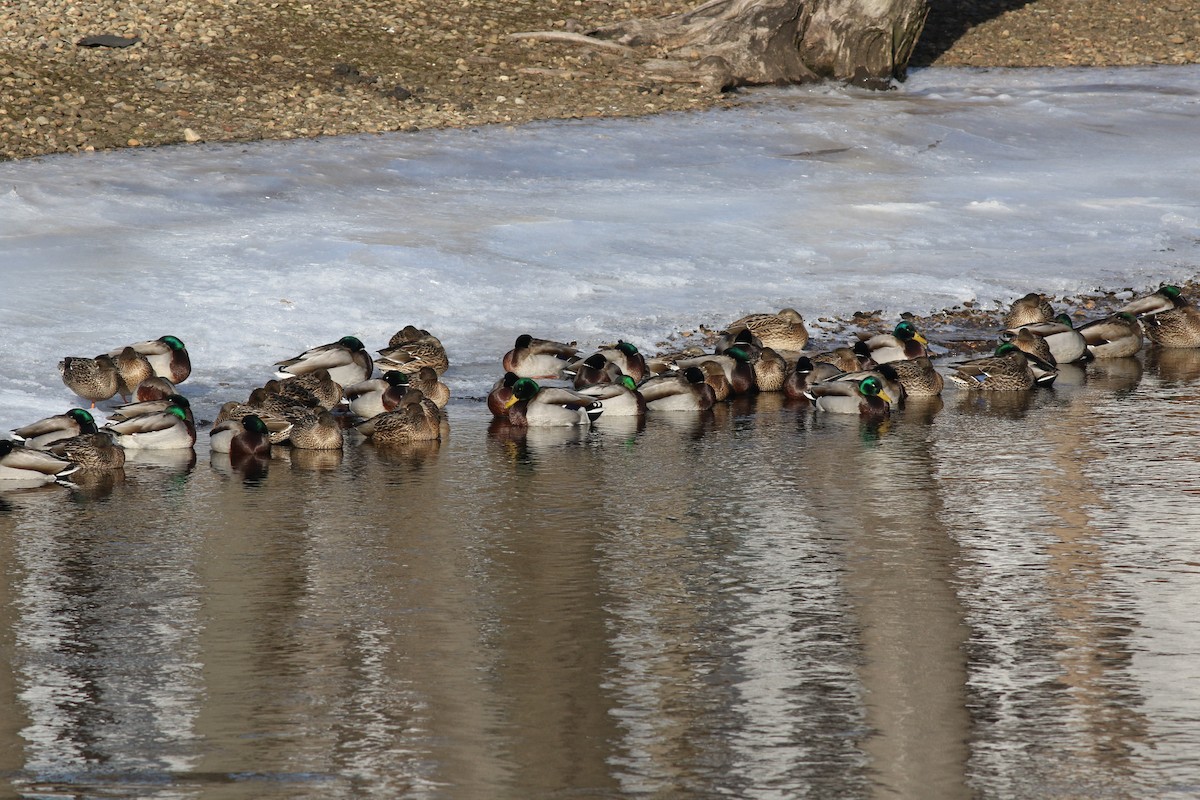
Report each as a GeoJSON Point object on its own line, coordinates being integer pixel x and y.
{"type": "Point", "coordinates": [730, 43]}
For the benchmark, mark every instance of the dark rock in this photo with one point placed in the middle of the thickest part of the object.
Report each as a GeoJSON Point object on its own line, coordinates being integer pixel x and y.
{"type": "Point", "coordinates": [107, 40]}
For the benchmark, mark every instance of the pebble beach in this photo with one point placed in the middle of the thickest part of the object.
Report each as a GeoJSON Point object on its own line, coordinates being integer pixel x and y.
{"type": "Point", "coordinates": [80, 77]}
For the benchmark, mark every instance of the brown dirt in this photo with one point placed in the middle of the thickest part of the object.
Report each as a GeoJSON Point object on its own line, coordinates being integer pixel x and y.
{"type": "Point", "coordinates": [288, 68]}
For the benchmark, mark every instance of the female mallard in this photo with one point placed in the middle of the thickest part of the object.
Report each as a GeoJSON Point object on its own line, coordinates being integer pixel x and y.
{"type": "Point", "coordinates": [91, 452]}
{"type": "Point", "coordinates": [1066, 344]}
{"type": "Point", "coordinates": [316, 431]}
{"type": "Point", "coordinates": [132, 369]}
{"type": "Point", "coordinates": [21, 465]}
{"type": "Point", "coordinates": [917, 375]}
{"type": "Point", "coordinates": [1007, 370]}
{"type": "Point", "coordinates": [783, 331]}
{"type": "Point", "coordinates": [241, 438]}
{"type": "Point", "coordinates": [686, 390]}
{"type": "Point", "coordinates": [536, 406]}
{"type": "Point", "coordinates": [92, 379]}
{"type": "Point", "coordinates": [620, 399]}
{"type": "Point", "coordinates": [844, 358]}
{"type": "Point", "coordinates": [426, 379]}
{"type": "Point", "coordinates": [866, 398]}
{"type": "Point", "coordinates": [770, 370]}
{"type": "Point", "coordinates": [1027, 310]}
{"type": "Point", "coordinates": [410, 349]}
{"type": "Point", "coordinates": [414, 422]}
{"type": "Point", "coordinates": [1027, 343]}
{"type": "Point", "coordinates": [905, 341]}
{"type": "Point", "coordinates": [1168, 318]}
{"type": "Point", "coordinates": [318, 383]}
{"type": "Point", "coordinates": [1115, 336]}
{"type": "Point", "coordinates": [346, 359]}
{"type": "Point", "coordinates": [538, 358]}
{"type": "Point", "coordinates": [167, 356]}
{"type": "Point", "coordinates": [378, 395]}
{"type": "Point", "coordinates": [171, 429]}
{"type": "Point", "coordinates": [42, 434]}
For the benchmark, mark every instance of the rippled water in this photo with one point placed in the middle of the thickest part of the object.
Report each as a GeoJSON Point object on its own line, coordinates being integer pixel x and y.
{"type": "Point", "coordinates": [986, 597]}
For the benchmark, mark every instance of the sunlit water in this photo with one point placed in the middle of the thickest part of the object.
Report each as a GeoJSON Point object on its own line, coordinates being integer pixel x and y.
{"type": "Point", "coordinates": [986, 597]}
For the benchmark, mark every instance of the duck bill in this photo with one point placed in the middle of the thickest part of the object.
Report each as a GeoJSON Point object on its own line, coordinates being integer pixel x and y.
{"type": "Point", "coordinates": [886, 398]}
{"type": "Point", "coordinates": [920, 338]}
{"type": "Point", "coordinates": [510, 402]}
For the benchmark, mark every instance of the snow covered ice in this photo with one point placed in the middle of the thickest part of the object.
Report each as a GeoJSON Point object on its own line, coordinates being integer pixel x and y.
{"type": "Point", "coordinates": [960, 186]}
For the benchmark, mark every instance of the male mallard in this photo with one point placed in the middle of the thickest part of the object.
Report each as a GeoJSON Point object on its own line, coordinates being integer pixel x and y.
{"type": "Point", "coordinates": [917, 375]}
{"type": "Point", "coordinates": [91, 378]}
{"type": "Point", "coordinates": [278, 426]}
{"type": "Point", "coordinates": [410, 349]}
{"type": "Point", "coordinates": [45, 432]}
{"type": "Point", "coordinates": [346, 359]}
{"type": "Point", "coordinates": [905, 341]}
{"type": "Point", "coordinates": [1027, 310]}
{"type": "Point", "coordinates": [685, 390]}
{"type": "Point", "coordinates": [536, 406]}
{"type": "Point", "coordinates": [242, 438]}
{"type": "Point", "coordinates": [626, 358]}
{"type": "Point", "coordinates": [866, 398]}
{"type": "Point", "coordinates": [892, 387]}
{"type": "Point", "coordinates": [538, 358]}
{"type": "Point", "coordinates": [426, 379]}
{"type": "Point", "coordinates": [593, 370]}
{"type": "Point", "coordinates": [129, 411]}
{"type": "Point", "coordinates": [316, 431]}
{"type": "Point", "coordinates": [1115, 336]}
{"type": "Point", "coordinates": [501, 393]}
{"type": "Point", "coordinates": [1007, 370]}
{"type": "Point", "coordinates": [167, 356]}
{"type": "Point", "coordinates": [171, 429]}
{"type": "Point", "coordinates": [377, 395]}
{"type": "Point", "coordinates": [91, 452]}
{"type": "Point", "coordinates": [1168, 318]}
{"type": "Point", "coordinates": [19, 464]}
{"type": "Point", "coordinates": [620, 399]}
{"type": "Point", "coordinates": [154, 388]}
{"type": "Point", "coordinates": [1066, 344]}
{"type": "Point", "coordinates": [796, 383]}
{"type": "Point", "coordinates": [736, 362]}
{"type": "Point", "coordinates": [782, 331]}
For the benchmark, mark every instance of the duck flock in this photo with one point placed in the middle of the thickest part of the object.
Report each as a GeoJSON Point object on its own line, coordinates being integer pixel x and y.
{"type": "Point", "coordinates": [327, 395]}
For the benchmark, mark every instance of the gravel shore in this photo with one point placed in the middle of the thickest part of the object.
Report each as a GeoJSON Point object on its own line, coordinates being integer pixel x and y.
{"type": "Point", "coordinates": [168, 71]}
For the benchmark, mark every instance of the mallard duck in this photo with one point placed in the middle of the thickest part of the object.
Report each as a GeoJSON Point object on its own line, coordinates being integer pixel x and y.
{"type": "Point", "coordinates": [537, 406]}
{"type": "Point", "coordinates": [346, 359]}
{"type": "Point", "coordinates": [318, 383]}
{"type": "Point", "coordinates": [378, 395]}
{"type": "Point", "coordinates": [414, 422]}
{"type": "Point", "coordinates": [167, 356]}
{"type": "Point", "coordinates": [917, 375]}
{"type": "Point", "coordinates": [1028, 310]}
{"type": "Point", "coordinates": [279, 427]}
{"type": "Point", "coordinates": [665, 362]}
{"type": "Point", "coordinates": [714, 376]}
{"type": "Point", "coordinates": [1115, 336]}
{"type": "Point", "coordinates": [501, 393]}
{"type": "Point", "coordinates": [796, 383]}
{"type": "Point", "coordinates": [426, 379]}
{"type": "Point", "coordinates": [1066, 344]}
{"type": "Point", "coordinates": [129, 411]}
{"type": "Point", "coordinates": [627, 358]}
{"type": "Point", "coordinates": [93, 379]}
{"type": "Point", "coordinates": [1028, 343]}
{"type": "Point", "coordinates": [92, 452]}
{"type": "Point", "coordinates": [866, 398]}
{"type": "Point", "coordinates": [165, 430]}
{"type": "Point", "coordinates": [1007, 370]}
{"type": "Point", "coordinates": [132, 369]}
{"type": "Point", "coordinates": [243, 437]}
{"type": "Point", "coordinates": [905, 341]}
{"type": "Point", "coordinates": [685, 390]}
{"type": "Point", "coordinates": [154, 388]}
{"type": "Point", "coordinates": [287, 406]}
{"type": "Point", "coordinates": [770, 370]}
{"type": "Point", "coordinates": [593, 370]}
{"type": "Point", "coordinates": [844, 358]}
{"type": "Point", "coordinates": [893, 389]}
{"type": "Point", "coordinates": [316, 431]}
{"type": "Point", "coordinates": [1168, 318]}
{"type": "Point", "coordinates": [736, 362]}
{"type": "Point", "coordinates": [538, 358]}
{"type": "Point", "coordinates": [783, 331]}
{"type": "Point", "coordinates": [620, 399]}
{"type": "Point", "coordinates": [728, 339]}
{"type": "Point", "coordinates": [42, 434]}
{"type": "Point", "coordinates": [411, 348]}
{"type": "Point", "coordinates": [19, 464]}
